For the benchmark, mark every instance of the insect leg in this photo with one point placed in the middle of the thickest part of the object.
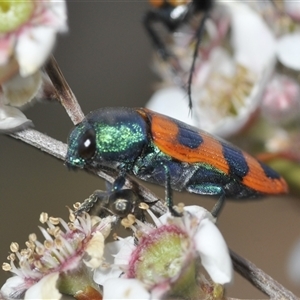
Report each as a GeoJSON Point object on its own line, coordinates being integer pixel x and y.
{"type": "Point", "coordinates": [152, 17]}
{"type": "Point", "coordinates": [218, 206]}
{"type": "Point", "coordinates": [93, 204]}
{"type": "Point", "coordinates": [213, 190]}
{"type": "Point", "coordinates": [99, 201]}
{"type": "Point", "coordinates": [149, 19]}
{"type": "Point", "coordinates": [119, 181]}
{"type": "Point", "coordinates": [119, 203]}
{"type": "Point", "coordinates": [169, 193]}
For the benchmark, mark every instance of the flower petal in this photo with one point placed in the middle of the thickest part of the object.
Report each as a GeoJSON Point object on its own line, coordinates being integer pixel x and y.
{"type": "Point", "coordinates": [102, 274]}
{"type": "Point", "coordinates": [126, 248]}
{"type": "Point", "coordinates": [116, 254]}
{"type": "Point", "coordinates": [19, 90]}
{"type": "Point", "coordinates": [6, 47]}
{"type": "Point", "coordinates": [14, 287]}
{"type": "Point", "coordinates": [214, 252]}
{"type": "Point", "coordinates": [33, 49]}
{"type": "Point", "coordinates": [95, 250]}
{"type": "Point", "coordinates": [124, 289]}
{"type": "Point", "coordinates": [45, 288]}
{"type": "Point", "coordinates": [254, 43]}
{"type": "Point", "coordinates": [163, 100]}
{"type": "Point", "coordinates": [55, 15]}
{"type": "Point", "coordinates": [12, 119]}
{"type": "Point", "coordinates": [288, 50]}
{"type": "Point", "coordinates": [200, 212]}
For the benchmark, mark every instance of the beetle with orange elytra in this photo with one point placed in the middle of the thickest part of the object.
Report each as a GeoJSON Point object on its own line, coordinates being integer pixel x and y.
{"type": "Point", "coordinates": [165, 151]}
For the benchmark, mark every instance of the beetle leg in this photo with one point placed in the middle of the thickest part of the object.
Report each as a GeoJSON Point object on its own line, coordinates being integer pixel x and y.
{"type": "Point", "coordinates": [218, 206]}
{"type": "Point", "coordinates": [149, 19]}
{"type": "Point", "coordinates": [152, 17]}
{"type": "Point", "coordinates": [94, 203]}
{"type": "Point", "coordinates": [169, 194]}
{"type": "Point", "coordinates": [119, 181]}
{"type": "Point", "coordinates": [213, 190]}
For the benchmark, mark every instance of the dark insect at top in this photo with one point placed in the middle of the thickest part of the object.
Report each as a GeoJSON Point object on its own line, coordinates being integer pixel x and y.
{"type": "Point", "coordinates": [173, 14]}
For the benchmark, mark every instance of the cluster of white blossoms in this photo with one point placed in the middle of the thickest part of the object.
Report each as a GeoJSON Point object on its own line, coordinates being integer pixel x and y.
{"type": "Point", "coordinates": [28, 32]}
{"type": "Point", "coordinates": [164, 259]}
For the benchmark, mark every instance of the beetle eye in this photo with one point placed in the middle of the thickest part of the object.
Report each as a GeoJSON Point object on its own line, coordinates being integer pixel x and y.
{"type": "Point", "coordinates": [87, 144]}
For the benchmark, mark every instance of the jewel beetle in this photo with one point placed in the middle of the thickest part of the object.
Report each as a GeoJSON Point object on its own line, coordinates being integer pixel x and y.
{"type": "Point", "coordinates": [173, 14]}
{"type": "Point", "coordinates": [162, 150]}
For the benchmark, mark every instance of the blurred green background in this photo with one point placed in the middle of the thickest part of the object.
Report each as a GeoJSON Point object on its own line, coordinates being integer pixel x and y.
{"type": "Point", "coordinates": [106, 58]}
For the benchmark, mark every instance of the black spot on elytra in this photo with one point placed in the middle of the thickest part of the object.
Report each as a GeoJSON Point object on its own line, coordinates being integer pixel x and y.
{"type": "Point", "coordinates": [269, 171]}
{"type": "Point", "coordinates": [189, 138]}
{"type": "Point", "coordinates": [236, 160]}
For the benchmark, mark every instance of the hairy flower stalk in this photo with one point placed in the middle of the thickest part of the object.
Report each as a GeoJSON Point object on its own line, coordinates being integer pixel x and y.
{"type": "Point", "coordinates": [62, 264]}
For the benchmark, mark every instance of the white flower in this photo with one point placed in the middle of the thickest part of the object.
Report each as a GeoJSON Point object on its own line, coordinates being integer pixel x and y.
{"type": "Point", "coordinates": [28, 30]}
{"type": "Point", "coordinates": [60, 265]}
{"type": "Point", "coordinates": [12, 119]}
{"type": "Point", "coordinates": [166, 259]}
{"type": "Point", "coordinates": [27, 35]}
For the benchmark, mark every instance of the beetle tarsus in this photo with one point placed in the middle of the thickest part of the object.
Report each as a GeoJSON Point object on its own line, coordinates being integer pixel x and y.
{"type": "Point", "coordinates": [119, 182]}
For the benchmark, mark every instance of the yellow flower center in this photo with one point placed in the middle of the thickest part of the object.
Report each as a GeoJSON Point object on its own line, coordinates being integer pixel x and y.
{"type": "Point", "coordinates": [14, 13]}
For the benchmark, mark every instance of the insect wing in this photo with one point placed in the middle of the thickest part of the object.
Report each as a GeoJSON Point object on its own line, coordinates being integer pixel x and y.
{"type": "Point", "coordinates": [262, 178]}
{"type": "Point", "coordinates": [191, 145]}
{"type": "Point", "coordinates": [184, 142]}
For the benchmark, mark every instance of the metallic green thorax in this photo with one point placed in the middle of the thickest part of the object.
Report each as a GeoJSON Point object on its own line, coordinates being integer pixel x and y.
{"type": "Point", "coordinates": [108, 137]}
{"type": "Point", "coordinates": [117, 138]}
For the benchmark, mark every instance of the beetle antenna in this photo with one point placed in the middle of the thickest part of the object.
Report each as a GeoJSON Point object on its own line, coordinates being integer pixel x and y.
{"type": "Point", "coordinates": [199, 35]}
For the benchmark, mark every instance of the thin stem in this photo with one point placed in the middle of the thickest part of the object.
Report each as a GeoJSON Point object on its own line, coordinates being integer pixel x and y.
{"type": "Point", "coordinates": [260, 279]}
{"type": "Point", "coordinates": [63, 92]}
